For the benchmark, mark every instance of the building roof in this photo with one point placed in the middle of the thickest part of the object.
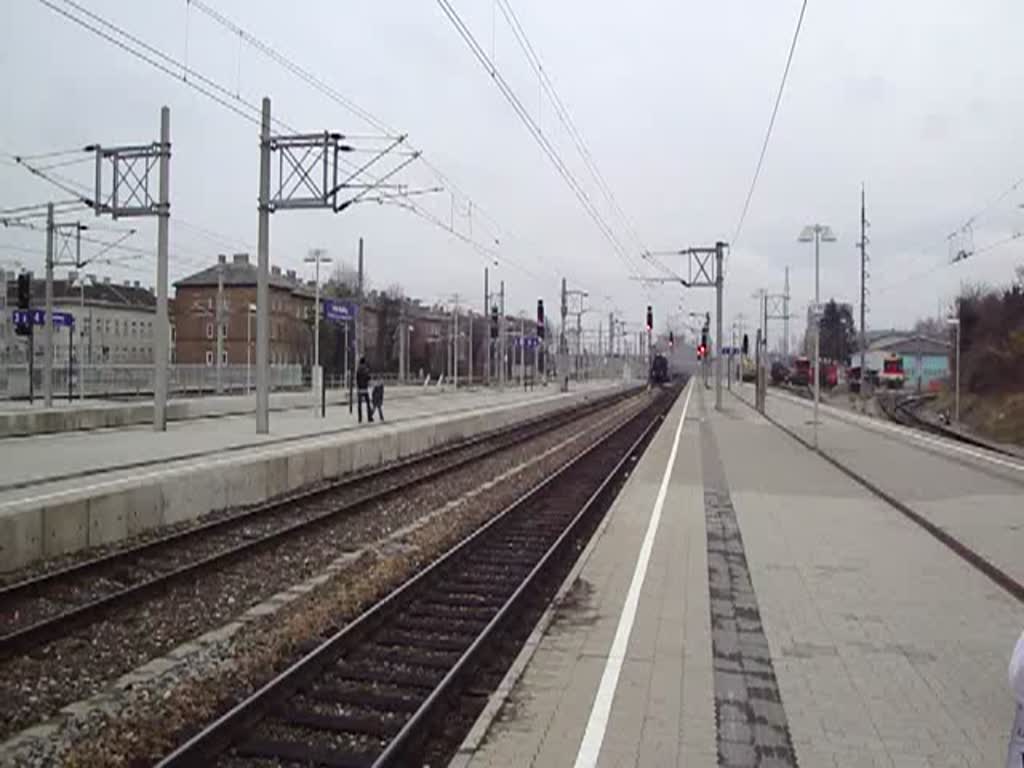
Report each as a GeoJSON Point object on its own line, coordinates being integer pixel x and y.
{"type": "Point", "coordinates": [240, 271]}
{"type": "Point", "coordinates": [910, 344]}
{"type": "Point", "coordinates": [130, 295]}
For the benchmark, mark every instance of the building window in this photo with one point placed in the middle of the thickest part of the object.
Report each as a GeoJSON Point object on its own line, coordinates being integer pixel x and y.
{"type": "Point", "coordinates": [209, 330]}
{"type": "Point", "coordinates": [209, 357]}
{"type": "Point", "coordinates": [224, 357]}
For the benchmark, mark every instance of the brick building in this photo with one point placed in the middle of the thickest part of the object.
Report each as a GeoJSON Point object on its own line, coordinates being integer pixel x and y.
{"type": "Point", "coordinates": [195, 303]}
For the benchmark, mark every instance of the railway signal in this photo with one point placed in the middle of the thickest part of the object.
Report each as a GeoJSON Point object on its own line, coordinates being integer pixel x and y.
{"type": "Point", "coordinates": [650, 318]}
{"type": "Point", "coordinates": [540, 318]}
{"type": "Point", "coordinates": [671, 339]}
{"type": "Point", "coordinates": [746, 345]}
{"type": "Point", "coordinates": [494, 321]}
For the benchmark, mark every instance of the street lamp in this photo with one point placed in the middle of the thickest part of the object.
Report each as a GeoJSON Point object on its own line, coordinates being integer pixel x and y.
{"type": "Point", "coordinates": [956, 410]}
{"type": "Point", "coordinates": [316, 256]}
{"type": "Point", "coordinates": [817, 233]}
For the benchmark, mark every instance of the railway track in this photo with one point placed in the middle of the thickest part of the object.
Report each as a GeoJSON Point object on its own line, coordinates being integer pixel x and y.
{"type": "Point", "coordinates": [903, 409]}
{"type": "Point", "coordinates": [377, 692]}
{"type": "Point", "coordinates": [41, 609]}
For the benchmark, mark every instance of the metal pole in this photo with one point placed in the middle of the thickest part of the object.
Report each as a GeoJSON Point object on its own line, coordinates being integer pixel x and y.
{"type": "Point", "coordinates": [469, 335]}
{"type": "Point", "coordinates": [4, 331]}
{"type": "Point", "coordinates": [162, 340]}
{"type": "Point", "coordinates": [501, 337]}
{"type": "Point", "coordinates": [563, 348]}
{"type": "Point", "coordinates": [48, 319]}
{"type": "Point", "coordinates": [863, 296]}
{"type": "Point", "coordinates": [359, 319]}
{"type": "Point", "coordinates": [81, 314]}
{"type": "Point", "coordinates": [522, 353]}
{"type": "Point", "coordinates": [316, 313]}
{"type": "Point", "coordinates": [785, 319]}
{"type": "Point", "coordinates": [263, 281]}
{"type": "Point", "coordinates": [758, 401]}
{"type": "Point", "coordinates": [248, 350]}
{"type": "Point", "coordinates": [401, 344]}
{"type": "Point", "coordinates": [487, 314]}
{"type": "Point", "coordinates": [455, 345]}
{"type": "Point", "coordinates": [817, 332]}
{"type": "Point", "coordinates": [219, 319]}
{"type": "Point", "coordinates": [719, 281]}
{"type": "Point", "coordinates": [71, 354]}
{"type": "Point", "coordinates": [957, 405]}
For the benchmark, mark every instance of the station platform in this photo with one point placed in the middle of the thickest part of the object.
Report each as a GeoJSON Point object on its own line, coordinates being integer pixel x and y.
{"type": "Point", "coordinates": [20, 418]}
{"type": "Point", "coordinates": [61, 493]}
{"type": "Point", "coordinates": [747, 603]}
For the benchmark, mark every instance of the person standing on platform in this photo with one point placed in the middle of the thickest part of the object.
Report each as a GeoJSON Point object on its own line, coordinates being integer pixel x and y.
{"type": "Point", "coordinates": [377, 398]}
{"type": "Point", "coordinates": [363, 390]}
{"type": "Point", "coordinates": [1015, 753]}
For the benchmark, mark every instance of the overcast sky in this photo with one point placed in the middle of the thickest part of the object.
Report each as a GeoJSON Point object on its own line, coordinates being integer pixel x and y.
{"type": "Point", "coordinates": [921, 100]}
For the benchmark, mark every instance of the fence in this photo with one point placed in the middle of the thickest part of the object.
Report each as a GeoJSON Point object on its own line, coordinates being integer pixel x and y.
{"type": "Point", "coordinates": [137, 380]}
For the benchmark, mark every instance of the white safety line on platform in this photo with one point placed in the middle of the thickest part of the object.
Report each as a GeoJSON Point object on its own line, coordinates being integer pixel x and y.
{"type": "Point", "coordinates": [590, 747]}
{"type": "Point", "coordinates": [868, 423]}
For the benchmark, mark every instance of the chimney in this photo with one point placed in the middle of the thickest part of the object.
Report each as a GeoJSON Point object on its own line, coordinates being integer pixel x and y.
{"type": "Point", "coordinates": [241, 258]}
{"type": "Point", "coordinates": [291, 274]}
{"type": "Point", "coordinates": [127, 283]}
{"type": "Point", "coordinates": [72, 276]}
{"type": "Point", "coordinates": [275, 271]}
{"type": "Point", "coordinates": [222, 258]}
{"type": "Point", "coordinates": [136, 284]}
{"type": "Point", "coordinates": [106, 281]}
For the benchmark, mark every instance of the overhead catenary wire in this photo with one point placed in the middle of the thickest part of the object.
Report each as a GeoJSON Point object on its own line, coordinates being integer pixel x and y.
{"type": "Point", "coordinates": [524, 116]}
{"type": "Point", "coordinates": [947, 263]}
{"type": "Point", "coordinates": [207, 87]}
{"type": "Point", "coordinates": [771, 125]}
{"type": "Point", "coordinates": [364, 114]}
{"type": "Point", "coordinates": [181, 72]}
{"type": "Point", "coordinates": [565, 117]}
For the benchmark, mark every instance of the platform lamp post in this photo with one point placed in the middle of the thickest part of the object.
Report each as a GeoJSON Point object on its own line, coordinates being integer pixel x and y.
{"type": "Point", "coordinates": [817, 234]}
{"type": "Point", "coordinates": [250, 311]}
{"type": "Point", "coordinates": [955, 321]}
{"type": "Point", "coordinates": [316, 256]}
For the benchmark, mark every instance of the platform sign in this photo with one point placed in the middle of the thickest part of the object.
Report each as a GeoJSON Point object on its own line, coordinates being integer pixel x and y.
{"type": "Point", "coordinates": [38, 317]}
{"type": "Point", "coordinates": [339, 311]}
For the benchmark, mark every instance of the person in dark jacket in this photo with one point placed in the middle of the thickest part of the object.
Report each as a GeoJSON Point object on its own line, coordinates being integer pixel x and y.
{"type": "Point", "coordinates": [377, 397]}
{"type": "Point", "coordinates": [363, 390]}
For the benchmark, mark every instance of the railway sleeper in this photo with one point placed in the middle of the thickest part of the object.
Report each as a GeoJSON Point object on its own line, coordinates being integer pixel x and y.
{"type": "Point", "coordinates": [449, 641]}
{"type": "Point", "coordinates": [440, 624]}
{"type": "Point", "coordinates": [370, 725]}
{"type": "Point", "coordinates": [378, 652]}
{"type": "Point", "coordinates": [301, 753]}
{"type": "Point", "coordinates": [355, 694]}
{"type": "Point", "coordinates": [414, 677]}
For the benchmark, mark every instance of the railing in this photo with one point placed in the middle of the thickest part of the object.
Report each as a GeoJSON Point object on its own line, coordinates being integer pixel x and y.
{"type": "Point", "coordinates": [137, 380]}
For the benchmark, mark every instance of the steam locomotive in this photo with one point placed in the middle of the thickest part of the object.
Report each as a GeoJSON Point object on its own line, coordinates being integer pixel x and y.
{"type": "Point", "coordinates": [659, 370]}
